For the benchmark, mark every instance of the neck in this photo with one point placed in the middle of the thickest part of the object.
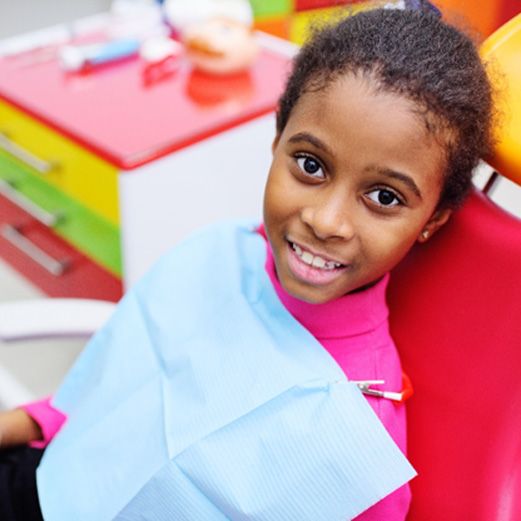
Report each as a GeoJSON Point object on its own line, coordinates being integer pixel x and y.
{"type": "Point", "coordinates": [357, 312]}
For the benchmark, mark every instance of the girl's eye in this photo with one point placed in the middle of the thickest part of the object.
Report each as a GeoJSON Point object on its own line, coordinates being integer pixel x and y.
{"type": "Point", "coordinates": [383, 197]}
{"type": "Point", "coordinates": [310, 166]}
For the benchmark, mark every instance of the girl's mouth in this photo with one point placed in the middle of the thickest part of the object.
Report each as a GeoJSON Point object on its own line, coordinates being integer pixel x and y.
{"type": "Point", "coordinates": [312, 268]}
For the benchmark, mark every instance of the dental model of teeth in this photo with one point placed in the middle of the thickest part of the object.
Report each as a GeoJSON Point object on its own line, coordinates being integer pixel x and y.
{"type": "Point", "coordinates": [314, 260]}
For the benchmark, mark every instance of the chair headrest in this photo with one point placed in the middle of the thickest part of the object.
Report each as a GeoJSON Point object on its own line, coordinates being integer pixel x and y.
{"type": "Point", "coordinates": [503, 48]}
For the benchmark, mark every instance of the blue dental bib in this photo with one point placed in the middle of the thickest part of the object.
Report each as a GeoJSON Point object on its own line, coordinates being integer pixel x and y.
{"type": "Point", "coordinates": [204, 399]}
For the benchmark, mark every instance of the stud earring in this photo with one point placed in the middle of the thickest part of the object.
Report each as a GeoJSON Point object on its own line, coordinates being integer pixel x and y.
{"type": "Point", "coordinates": [425, 234]}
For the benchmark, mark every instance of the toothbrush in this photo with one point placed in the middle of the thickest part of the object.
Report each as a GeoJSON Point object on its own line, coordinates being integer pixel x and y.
{"type": "Point", "coordinates": [77, 57]}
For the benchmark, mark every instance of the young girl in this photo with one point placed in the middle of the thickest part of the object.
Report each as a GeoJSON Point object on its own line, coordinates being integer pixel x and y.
{"type": "Point", "coordinates": [218, 390]}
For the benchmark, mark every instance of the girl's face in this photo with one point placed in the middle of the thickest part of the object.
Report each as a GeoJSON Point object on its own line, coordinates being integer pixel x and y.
{"type": "Point", "coordinates": [354, 182]}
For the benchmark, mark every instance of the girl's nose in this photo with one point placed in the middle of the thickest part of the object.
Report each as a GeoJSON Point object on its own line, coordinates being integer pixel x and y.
{"type": "Point", "coordinates": [329, 218]}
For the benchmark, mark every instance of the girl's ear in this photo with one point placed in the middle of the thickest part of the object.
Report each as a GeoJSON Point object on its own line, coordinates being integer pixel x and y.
{"type": "Point", "coordinates": [438, 219]}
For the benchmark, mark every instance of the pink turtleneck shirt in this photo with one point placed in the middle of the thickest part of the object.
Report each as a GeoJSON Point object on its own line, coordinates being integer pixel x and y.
{"type": "Point", "coordinates": [354, 330]}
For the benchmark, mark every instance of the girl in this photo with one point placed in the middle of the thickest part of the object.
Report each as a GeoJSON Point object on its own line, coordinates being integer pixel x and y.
{"type": "Point", "coordinates": [241, 409]}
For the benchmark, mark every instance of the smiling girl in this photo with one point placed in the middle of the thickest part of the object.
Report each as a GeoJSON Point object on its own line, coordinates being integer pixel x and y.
{"type": "Point", "coordinates": [382, 122]}
{"type": "Point", "coordinates": [238, 352]}
{"type": "Point", "coordinates": [355, 182]}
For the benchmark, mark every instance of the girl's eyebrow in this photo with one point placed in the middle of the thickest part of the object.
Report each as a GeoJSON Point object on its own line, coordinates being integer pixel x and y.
{"type": "Point", "coordinates": [309, 138]}
{"type": "Point", "coordinates": [313, 140]}
{"type": "Point", "coordinates": [404, 178]}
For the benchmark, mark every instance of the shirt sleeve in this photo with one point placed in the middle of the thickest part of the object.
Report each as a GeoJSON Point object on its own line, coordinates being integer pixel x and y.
{"type": "Point", "coordinates": [47, 417]}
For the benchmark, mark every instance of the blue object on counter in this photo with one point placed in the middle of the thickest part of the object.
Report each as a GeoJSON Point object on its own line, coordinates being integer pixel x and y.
{"type": "Point", "coordinates": [114, 50]}
{"type": "Point", "coordinates": [77, 57]}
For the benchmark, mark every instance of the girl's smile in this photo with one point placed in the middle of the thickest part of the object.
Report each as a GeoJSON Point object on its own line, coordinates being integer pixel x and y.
{"type": "Point", "coordinates": [355, 181]}
{"type": "Point", "coordinates": [314, 268]}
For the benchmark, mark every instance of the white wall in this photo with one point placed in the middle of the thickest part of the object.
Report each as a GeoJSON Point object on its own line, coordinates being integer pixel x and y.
{"type": "Point", "coordinates": [18, 16]}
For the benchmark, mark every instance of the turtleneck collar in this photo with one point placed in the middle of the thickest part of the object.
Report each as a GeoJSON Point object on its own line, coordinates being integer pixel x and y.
{"type": "Point", "coordinates": [350, 315]}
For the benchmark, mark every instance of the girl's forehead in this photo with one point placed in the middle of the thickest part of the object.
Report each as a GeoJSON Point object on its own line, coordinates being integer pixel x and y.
{"type": "Point", "coordinates": [359, 100]}
{"type": "Point", "coordinates": [359, 125]}
{"type": "Point", "coordinates": [361, 83]}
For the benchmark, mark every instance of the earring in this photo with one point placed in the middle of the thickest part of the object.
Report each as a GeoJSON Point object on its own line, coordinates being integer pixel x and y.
{"type": "Point", "coordinates": [425, 234]}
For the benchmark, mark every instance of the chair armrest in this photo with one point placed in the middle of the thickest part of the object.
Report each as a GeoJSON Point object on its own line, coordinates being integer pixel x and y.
{"type": "Point", "coordinates": [47, 317]}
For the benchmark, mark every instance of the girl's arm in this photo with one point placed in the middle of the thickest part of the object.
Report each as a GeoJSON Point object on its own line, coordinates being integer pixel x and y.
{"type": "Point", "coordinates": [35, 423]}
{"type": "Point", "coordinates": [17, 428]}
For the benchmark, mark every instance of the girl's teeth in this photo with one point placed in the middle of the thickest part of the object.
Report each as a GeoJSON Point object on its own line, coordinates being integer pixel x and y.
{"type": "Point", "coordinates": [319, 262]}
{"type": "Point", "coordinates": [315, 261]}
{"type": "Point", "coordinates": [307, 257]}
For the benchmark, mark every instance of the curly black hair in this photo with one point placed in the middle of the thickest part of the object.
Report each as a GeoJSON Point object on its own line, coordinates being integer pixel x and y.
{"type": "Point", "coordinates": [417, 55]}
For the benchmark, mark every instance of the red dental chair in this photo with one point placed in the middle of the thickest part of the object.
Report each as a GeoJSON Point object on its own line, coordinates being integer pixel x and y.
{"type": "Point", "coordinates": [456, 318]}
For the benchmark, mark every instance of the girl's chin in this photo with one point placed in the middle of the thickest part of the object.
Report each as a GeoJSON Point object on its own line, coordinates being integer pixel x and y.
{"type": "Point", "coordinates": [312, 295]}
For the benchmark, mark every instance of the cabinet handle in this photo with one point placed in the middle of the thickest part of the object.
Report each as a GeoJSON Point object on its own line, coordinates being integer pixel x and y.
{"type": "Point", "coordinates": [45, 217]}
{"type": "Point", "coordinates": [40, 165]}
{"type": "Point", "coordinates": [56, 267]}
